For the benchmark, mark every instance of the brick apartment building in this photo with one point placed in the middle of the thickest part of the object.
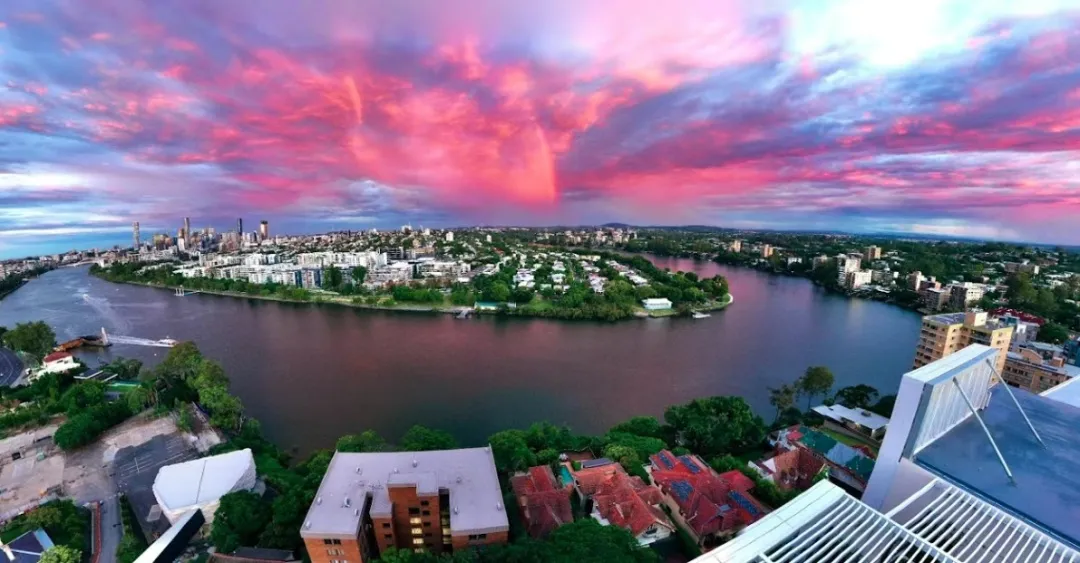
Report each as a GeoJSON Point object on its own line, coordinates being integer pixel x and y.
{"type": "Point", "coordinates": [437, 501]}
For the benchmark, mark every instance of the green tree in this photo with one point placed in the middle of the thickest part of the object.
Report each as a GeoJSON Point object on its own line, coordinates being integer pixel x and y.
{"type": "Point", "coordinates": [83, 396]}
{"type": "Point", "coordinates": [884, 406]}
{"type": "Point", "coordinates": [226, 411]}
{"type": "Point", "coordinates": [511, 451]}
{"type": "Point", "coordinates": [34, 338]}
{"type": "Point", "coordinates": [1053, 333]}
{"type": "Point", "coordinates": [783, 398]}
{"type": "Point", "coordinates": [498, 292]}
{"type": "Point", "coordinates": [715, 426]}
{"type": "Point", "coordinates": [640, 426]}
{"type": "Point", "coordinates": [359, 274]}
{"type": "Point", "coordinates": [587, 541]}
{"type": "Point", "coordinates": [420, 438]}
{"type": "Point", "coordinates": [143, 396]}
{"type": "Point", "coordinates": [817, 380]}
{"type": "Point", "coordinates": [856, 396]}
{"type": "Point", "coordinates": [367, 441]}
{"type": "Point", "coordinates": [1020, 292]}
{"type": "Point", "coordinates": [239, 520]}
{"type": "Point", "coordinates": [125, 369]}
{"type": "Point", "coordinates": [61, 554]}
{"type": "Point", "coordinates": [332, 277]}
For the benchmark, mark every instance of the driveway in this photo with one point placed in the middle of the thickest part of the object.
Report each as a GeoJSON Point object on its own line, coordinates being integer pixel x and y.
{"type": "Point", "coordinates": [111, 531]}
{"type": "Point", "coordinates": [10, 367]}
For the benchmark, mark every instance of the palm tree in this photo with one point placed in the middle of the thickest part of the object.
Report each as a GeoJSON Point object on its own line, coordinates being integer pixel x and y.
{"type": "Point", "coordinates": [783, 398]}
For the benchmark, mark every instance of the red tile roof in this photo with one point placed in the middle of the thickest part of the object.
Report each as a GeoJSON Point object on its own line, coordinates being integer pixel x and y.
{"type": "Point", "coordinates": [589, 480]}
{"type": "Point", "coordinates": [56, 356]}
{"type": "Point", "coordinates": [622, 501]}
{"type": "Point", "coordinates": [709, 502]}
{"type": "Point", "coordinates": [796, 468]}
{"type": "Point", "coordinates": [544, 506]}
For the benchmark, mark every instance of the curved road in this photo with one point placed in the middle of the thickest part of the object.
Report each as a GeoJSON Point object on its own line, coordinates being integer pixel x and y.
{"type": "Point", "coordinates": [10, 367]}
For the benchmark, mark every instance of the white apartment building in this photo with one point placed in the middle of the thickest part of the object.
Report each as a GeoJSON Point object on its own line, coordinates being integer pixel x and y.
{"type": "Point", "coordinates": [969, 470]}
{"type": "Point", "coordinates": [858, 278]}
{"type": "Point", "coordinates": [846, 264]}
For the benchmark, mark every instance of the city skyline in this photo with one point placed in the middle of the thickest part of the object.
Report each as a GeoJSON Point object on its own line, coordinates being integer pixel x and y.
{"type": "Point", "coordinates": [933, 118]}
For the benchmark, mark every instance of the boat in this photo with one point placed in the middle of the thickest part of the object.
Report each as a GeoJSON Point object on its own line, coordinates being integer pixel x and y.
{"type": "Point", "coordinates": [701, 315]}
{"type": "Point", "coordinates": [168, 342]}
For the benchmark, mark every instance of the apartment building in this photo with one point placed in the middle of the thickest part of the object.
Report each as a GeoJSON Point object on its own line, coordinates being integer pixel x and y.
{"type": "Point", "coordinates": [1028, 369]}
{"type": "Point", "coordinates": [858, 279]}
{"type": "Point", "coordinates": [944, 334]}
{"type": "Point", "coordinates": [436, 501]}
{"type": "Point", "coordinates": [872, 253]}
{"type": "Point", "coordinates": [970, 471]}
{"type": "Point", "coordinates": [846, 264]}
{"type": "Point", "coordinates": [963, 295]}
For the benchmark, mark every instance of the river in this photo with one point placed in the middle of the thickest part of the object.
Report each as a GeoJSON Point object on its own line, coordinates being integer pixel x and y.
{"type": "Point", "coordinates": [313, 373]}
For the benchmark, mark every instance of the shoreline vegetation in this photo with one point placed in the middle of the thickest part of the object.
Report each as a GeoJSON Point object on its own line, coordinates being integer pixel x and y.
{"type": "Point", "coordinates": [485, 294]}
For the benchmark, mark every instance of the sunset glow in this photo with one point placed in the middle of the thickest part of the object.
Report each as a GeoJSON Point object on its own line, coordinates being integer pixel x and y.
{"type": "Point", "coordinates": [930, 117]}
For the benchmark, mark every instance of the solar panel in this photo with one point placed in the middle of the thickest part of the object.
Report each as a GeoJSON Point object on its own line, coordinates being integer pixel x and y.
{"type": "Point", "coordinates": [666, 460]}
{"type": "Point", "coordinates": [689, 464]}
{"type": "Point", "coordinates": [682, 490]}
{"type": "Point", "coordinates": [745, 503]}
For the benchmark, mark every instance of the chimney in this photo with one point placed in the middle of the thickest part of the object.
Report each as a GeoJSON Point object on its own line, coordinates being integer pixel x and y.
{"type": "Point", "coordinates": [1057, 362]}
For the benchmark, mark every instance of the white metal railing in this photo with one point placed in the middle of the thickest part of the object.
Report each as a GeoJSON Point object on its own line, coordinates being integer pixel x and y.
{"type": "Point", "coordinates": [939, 523]}
{"type": "Point", "coordinates": [946, 398]}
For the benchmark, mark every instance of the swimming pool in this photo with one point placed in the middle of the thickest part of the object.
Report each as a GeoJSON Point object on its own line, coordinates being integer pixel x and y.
{"type": "Point", "coordinates": [565, 476]}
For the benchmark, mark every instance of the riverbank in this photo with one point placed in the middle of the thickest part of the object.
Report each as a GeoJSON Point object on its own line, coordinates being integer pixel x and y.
{"type": "Point", "coordinates": [356, 303]}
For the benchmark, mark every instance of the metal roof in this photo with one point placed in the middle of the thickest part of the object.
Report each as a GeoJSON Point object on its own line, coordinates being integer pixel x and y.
{"type": "Point", "coordinates": [862, 417]}
{"type": "Point", "coordinates": [939, 523]}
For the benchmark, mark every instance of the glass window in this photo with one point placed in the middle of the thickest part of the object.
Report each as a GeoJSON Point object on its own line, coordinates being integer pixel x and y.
{"type": "Point", "coordinates": [415, 520]}
{"type": "Point", "coordinates": [388, 536]}
{"type": "Point", "coordinates": [427, 513]}
{"type": "Point", "coordinates": [418, 541]}
{"type": "Point", "coordinates": [423, 503]}
{"type": "Point", "coordinates": [327, 542]}
{"type": "Point", "coordinates": [337, 542]}
{"type": "Point", "coordinates": [417, 531]}
{"type": "Point", "coordinates": [385, 524]}
{"type": "Point", "coordinates": [414, 510]}
{"type": "Point", "coordinates": [427, 524]}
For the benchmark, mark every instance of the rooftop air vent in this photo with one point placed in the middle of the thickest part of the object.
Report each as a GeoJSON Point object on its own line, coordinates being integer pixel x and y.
{"type": "Point", "coordinates": [356, 512]}
{"type": "Point", "coordinates": [348, 502]}
{"type": "Point", "coordinates": [318, 500]}
{"type": "Point", "coordinates": [458, 479]}
{"type": "Point", "coordinates": [359, 470]}
{"type": "Point", "coordinates": [414, 462]}
{"type": "Point", "coordinates": [307, 525]}
{"type": "Point", "coordinates": [455, 510]}
{"type": "Point", "coordinates": [498, 506]}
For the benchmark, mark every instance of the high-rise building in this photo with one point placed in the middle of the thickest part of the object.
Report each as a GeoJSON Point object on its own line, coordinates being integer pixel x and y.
{"type": "Point", "coordinates": [187, 229]}
{"type": "Point", "coordinates": [947, 333]}
{"type": "Point", "coordinates": [872, 253]}
{"type": "Point", "coordinates": [264, 230]}
{"type": "Point", "coordinates": [846, 264]}
{"type": "Point", "coordinates": [962, 295]}
{"type": "Point", "coordinates": [437, 501]}
{"type": "Point", "coordinates": [240, 225]}
{"type": "Point", "coordinates": [766, 250]}
{"type": "Point", "coordinates": [135, 235]}
{"type": "Point", "coordinates": [450, 236]}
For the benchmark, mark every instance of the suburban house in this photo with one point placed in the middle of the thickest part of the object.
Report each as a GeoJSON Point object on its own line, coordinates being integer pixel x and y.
{"type": "Point", "coordinates": [795, 468]}
{"type": "Point", "coordinates": [656, 304]}
{"type": "Point", "coordinates": [57, 362]}
{"type": "Point", "coordinates": [615, 498]}
{"type": "Point", "coordinates": [847, 465]}
{"type": "Point", "coordinates": [711, 506]}
{"type": "Point", "coordinates": [860, 423]}
{"type": "Point", "coordinates": [544, 504]}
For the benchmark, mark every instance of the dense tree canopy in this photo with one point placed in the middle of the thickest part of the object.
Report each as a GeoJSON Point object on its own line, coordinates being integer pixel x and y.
{"type": "Point", "coordinates": [857, 396]}
{"type": "Point", "coordinates": [61, 554]}
{"type": "Point", "coordinates": [239, 520]}
{"type": "Point", "coordinates": [1053, 333]}
{"type": "Point", "coordinates": [367, 441]}
{"type": "Point", "coordinates": [420, 438]}
{"type": "Point", "coordinates": [817, 380]}
{"type": "Point", "coordinates": [715, 425]}
{"type": "Point", "coordinates": [34, 338]}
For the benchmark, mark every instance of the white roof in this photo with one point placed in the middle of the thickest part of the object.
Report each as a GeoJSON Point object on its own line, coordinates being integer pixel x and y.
{"type": "Point", "coordinates": [656, 301]}
{"type": "Point", "coordinates": [939, 523]}
{"type": "Point", "coordinates": [842, 414]}
{"type": "Point", "coordinates": [468, 474]}
{"type": "Point", "coordinates": [202, 481]}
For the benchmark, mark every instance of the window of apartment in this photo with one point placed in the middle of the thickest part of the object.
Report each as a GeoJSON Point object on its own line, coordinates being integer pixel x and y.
{"type": "Point", "coordinates": [415, 521]}
{"type": "Point", "coordinates": [477, 536]}
{"type": "Point", "coordinates": [446, 530]}
{"type": "Point", "coordinates": [427, 524]}
{"type": "Point", "coordinates": [388, 536]}
{"type": "Point", "coordinates": [423, 503]}
{"type": "Point", "coordinates": [414, 510]}
{"type": "Point", "coordinates": [417, 531]}
{"type": "Point", "coordinates": [418, 541]}
{"type": "Point", "coordinates": [427, 535]}
{"type": "Point", "coordinates": [426, 513]}
{"type": "Point", "coordinates": [385, 524]}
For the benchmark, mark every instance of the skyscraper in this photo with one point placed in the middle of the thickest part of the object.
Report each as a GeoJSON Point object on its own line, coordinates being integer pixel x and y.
{"type": "Point", "coordinates": [135, 235]}
{"type": "Point", "coordinates": [240, 226]}
{"type": "Point", "coordinates": [187, 228]}
{"type": "Point", "coordinates": [264, 230]}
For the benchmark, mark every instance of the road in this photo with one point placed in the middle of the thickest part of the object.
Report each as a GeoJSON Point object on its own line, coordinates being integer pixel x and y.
{"type": "Point", "coordinates": [111, 531]}
{"type": "Point", "coordinates": [10, 367]}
